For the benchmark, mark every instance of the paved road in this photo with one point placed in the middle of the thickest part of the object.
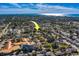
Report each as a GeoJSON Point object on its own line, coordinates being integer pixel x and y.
{"type": "Point", "coordinates": [3, 32]}
{"type": "Point", "coordinates": [67, 41]}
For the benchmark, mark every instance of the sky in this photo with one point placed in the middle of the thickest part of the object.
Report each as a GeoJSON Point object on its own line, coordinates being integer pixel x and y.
{"type": "Point", "coordinates": [39, 8]}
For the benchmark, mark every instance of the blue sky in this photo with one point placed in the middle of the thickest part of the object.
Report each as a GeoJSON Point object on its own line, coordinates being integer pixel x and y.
{"type": "Point", "coordinates": [39, 8]}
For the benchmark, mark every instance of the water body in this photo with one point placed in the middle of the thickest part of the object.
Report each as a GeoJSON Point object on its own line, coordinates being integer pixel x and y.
{"type": "Point", "coordinates": [67, 15]}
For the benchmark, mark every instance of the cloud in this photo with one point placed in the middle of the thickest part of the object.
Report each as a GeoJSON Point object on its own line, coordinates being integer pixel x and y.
{"type": "Point", "coordinates": [38, 8]}
{"type": "Point", "coordinates": [9, 5]}
{"type": "Point", "coordinates": [4, 6]}
{"type": "Point", "coordinates": [17, 11]}
{"type": "Point", "coordinates": [16, 5]}
{"type": "Point", "coordinates": [56, 9]}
